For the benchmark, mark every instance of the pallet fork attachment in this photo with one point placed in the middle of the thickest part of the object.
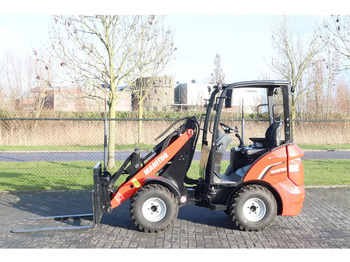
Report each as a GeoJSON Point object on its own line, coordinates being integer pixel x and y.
{"type": "Point", "coordinates": [102, 200]}
{"type": "Point", "coordinates": [95, 215]}
{"type": "Point", "coordinates": [97, 194]}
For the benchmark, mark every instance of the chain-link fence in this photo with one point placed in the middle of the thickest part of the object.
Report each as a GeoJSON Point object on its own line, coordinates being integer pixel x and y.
{"type": "Point", "coordinates": [41, 154]}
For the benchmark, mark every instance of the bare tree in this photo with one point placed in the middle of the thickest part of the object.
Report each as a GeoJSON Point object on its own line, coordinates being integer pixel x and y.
{"type": "Point", "coordinates": [141, 89]}
{"type": "Point", "coordinates": [218, 75]}
{"type": "Point", "coordinates": [151, 64]}
{"type": "Point", "coordinates": [13, 84]}
{"type": "Point", "coordinates": [343, 99]}
{"type": "Point", "coordinates": [337, 37]}
{"type": "Point", "coordinates": [322, 79]}
{"type": "Point", "coordinates": [107, 51]}
{"type": "Point", "coordinates": [2, 94]}
{"type": "Point", "coordinates": [292, 57]}
{"type": "Point", "coordinates": [42, 76]}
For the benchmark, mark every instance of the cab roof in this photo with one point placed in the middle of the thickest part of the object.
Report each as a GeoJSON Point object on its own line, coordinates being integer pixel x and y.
{"type": "Point", "coordinates": [257, 84]}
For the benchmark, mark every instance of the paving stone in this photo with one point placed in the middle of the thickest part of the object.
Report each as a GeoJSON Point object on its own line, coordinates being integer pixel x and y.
{"type": "Point", "coordinates": [323, 223]}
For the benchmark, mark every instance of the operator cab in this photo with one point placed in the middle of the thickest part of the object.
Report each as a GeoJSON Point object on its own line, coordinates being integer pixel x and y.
{"type": "Point", "coordinates": [264, 100]}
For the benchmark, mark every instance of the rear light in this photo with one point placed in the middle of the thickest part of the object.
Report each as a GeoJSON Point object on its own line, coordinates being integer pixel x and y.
{"type": "Point", "coordinates": [295, 166]}
{"type": "Point", "coordinates": [296, 171]}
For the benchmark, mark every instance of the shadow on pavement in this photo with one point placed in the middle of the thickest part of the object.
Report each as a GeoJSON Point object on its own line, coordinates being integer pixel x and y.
{"type": "Point", "coordinates": [55, 203]}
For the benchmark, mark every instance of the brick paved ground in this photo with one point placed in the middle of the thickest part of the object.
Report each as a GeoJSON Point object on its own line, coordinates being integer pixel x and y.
{"type": "Point", "coordinates": [323, 223]}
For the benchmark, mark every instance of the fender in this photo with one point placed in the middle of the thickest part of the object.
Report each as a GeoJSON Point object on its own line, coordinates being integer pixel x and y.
{"type": "Point", "coordinates": [283, 170]}
{"type": "Point", "coordinates": [164, 182]}
{"type": "Point", "coordinates": [271, 167]}
{"type": "Point", "coordinates": [261, 183]}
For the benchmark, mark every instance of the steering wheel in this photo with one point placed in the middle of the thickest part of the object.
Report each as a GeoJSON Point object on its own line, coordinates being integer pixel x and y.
{"type": "Point", "coordinates": [228, 129]}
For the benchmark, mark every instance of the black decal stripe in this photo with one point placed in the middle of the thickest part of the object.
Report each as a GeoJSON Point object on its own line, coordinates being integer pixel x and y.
{"type": "Point", "coordinates": [263, 176]}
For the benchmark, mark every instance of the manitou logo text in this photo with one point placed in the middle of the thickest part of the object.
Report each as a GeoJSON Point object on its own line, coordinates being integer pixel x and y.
{"type": "Point", "coordinates": [156, 163]}
{"type": "Point", "coordinates": [278, 171]}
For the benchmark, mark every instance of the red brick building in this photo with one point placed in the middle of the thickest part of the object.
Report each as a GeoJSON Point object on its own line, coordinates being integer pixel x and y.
{"type": "Point", "coordinates": [70, 100]}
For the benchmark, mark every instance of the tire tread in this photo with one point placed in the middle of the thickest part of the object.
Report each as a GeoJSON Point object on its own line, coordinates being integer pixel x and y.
{"type": "Point", "coordinates": [137, 196]}
{"type": "Point", "coordinates": [233, 206]}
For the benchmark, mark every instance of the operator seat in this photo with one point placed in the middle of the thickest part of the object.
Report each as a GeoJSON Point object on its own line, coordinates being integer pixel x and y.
{"type": "Point", "coordinates": [261, 145]}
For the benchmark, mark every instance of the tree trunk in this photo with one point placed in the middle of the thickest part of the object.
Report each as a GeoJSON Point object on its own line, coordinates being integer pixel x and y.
{"type": "Point", "coordinates": [140, 109]}
{"type": "Point", "coordinates": [111, 136]}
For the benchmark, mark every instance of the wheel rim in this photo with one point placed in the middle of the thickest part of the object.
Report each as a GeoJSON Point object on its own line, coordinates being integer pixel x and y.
{"type": "Point", "coordinates": [254, 209]}
{"type": "Point", "coordinates": [154, 209]}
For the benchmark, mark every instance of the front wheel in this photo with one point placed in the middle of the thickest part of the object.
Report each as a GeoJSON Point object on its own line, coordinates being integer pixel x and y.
{"type": "Point", "coordinates": [153, 208]}
{"type": "Point", "coordinates": [253, 208]}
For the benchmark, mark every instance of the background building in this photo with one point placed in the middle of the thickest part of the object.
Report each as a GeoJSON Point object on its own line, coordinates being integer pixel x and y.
{"type": "Point", "coordinates": [160, 94]}
{"type": "Point", "coordinates": [71, 100]}
{"type": "Point", "coordinates": [193, 95]}
{"type": "Point", "coordinates": [250, 98]}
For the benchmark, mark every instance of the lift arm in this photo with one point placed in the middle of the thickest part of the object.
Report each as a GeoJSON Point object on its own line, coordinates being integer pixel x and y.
{"type": "Point", "coordinates": [128, 188]}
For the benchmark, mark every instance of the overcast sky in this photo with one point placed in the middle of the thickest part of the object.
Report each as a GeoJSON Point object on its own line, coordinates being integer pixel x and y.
{"type": "Point", "coordinates": [243, 39]}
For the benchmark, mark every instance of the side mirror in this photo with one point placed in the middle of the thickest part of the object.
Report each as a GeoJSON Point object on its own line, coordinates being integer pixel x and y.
{"type": "Point", "coordinates": [209, 89]}
{"type": "Point", "coordinates": [228, 99]}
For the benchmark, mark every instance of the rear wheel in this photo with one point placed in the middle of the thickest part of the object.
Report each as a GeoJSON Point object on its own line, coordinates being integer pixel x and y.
{"type": "Point", "coordinates": [253, 208]}
{"type": "Point", "coordinates": [153, 208]}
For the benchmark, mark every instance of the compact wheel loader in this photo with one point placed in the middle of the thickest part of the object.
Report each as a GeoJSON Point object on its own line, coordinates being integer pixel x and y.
{"type": "Point", "coordinates": [262, 180]}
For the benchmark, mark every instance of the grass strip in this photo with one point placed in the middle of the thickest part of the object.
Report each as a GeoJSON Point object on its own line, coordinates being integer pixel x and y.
{"type": "Point", "coordinates": [16, 176]}
{"type": "Point", "coordinates": [324, 147]}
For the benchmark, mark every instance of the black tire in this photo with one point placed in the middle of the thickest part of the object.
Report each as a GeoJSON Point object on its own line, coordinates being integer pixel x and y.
{"type": "Point", "coordinates": [153, 208]}
{"type": "Point", "coordinates": [253, 208]}
{"type": "Point", "coordinates": [227, 211]}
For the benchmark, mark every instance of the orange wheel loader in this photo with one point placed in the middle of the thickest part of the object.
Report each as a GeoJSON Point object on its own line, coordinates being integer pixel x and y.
{"type": "Point", "coordinates": [262, 180]}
